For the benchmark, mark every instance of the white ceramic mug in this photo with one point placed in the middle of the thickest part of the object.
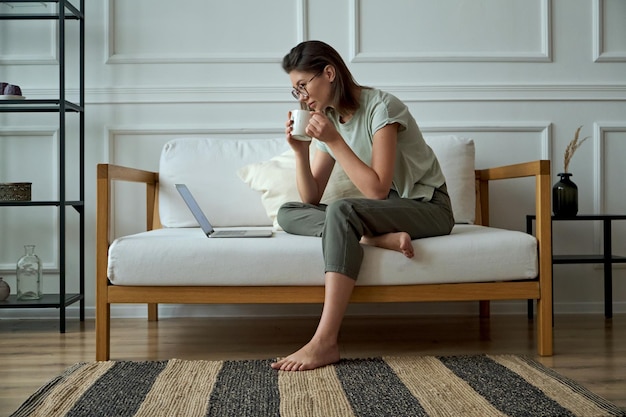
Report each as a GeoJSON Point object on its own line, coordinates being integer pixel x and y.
{"type": "Point", "coordinates": [300, 121]}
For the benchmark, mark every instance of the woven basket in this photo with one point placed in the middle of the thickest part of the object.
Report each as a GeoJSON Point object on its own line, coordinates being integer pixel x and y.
{"type": "Point", "coordinates": [15, 191]}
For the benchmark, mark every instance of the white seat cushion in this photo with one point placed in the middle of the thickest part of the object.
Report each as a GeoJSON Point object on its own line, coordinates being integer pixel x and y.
{"type": "Point", "coordinates": [185, 256]}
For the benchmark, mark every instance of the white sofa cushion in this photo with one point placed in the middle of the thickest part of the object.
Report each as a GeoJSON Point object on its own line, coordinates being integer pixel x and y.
{"type": "Point", "coordinates": [187, 257]}
{"type": "Point", "coordinates": [209, 168]}
{"type": "Point", "coordinates": [275, 178]}
{"type": "Point", "coordinates": [456, 156]}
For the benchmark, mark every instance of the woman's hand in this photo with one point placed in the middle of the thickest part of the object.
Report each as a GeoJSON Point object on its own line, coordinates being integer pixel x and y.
{"type": "Point", "coordinates": [297, 145]}
{"type": "Point", "coordinates": [321, 128]}
{"type": "Point", "coordinates": [311, 181]}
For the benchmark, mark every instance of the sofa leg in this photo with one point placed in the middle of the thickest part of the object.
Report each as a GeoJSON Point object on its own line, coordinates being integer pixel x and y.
{"type": "Point", "coordinates": [153, 312]}
{"type": "Point", "coordinates": [484, 308]}
{"type": "Point", "coordinates": [545, 341]}
{"type": "Point", "coordinates": [103, 332]}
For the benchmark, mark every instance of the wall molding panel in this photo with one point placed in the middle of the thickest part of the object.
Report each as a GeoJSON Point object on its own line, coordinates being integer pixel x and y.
{"type": "Point", "coordinates": [357, 54]}
{"type": "Point", "coordinates": [509, 92]}
{"type": "Point", "coordinates": [49, 57]}
{"type": "Point", "coordinates": [600, 130]}
{"type": "Point", "coordinates": [253, 129]}
{"type": "Point", "coordinates": [411, 93]}
{"type": "Point", "coordinates": [544, 130]}
{"type": "Point", "coordinates": [113, 57]}
{"type": "Point", "coordinates": [50, 266]}
{"type": "Point", "coordinates": [600, 54]}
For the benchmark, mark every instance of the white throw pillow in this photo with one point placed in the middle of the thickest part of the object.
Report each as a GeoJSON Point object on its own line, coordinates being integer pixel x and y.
{"type": "Point", "coordinates": [275, 179]}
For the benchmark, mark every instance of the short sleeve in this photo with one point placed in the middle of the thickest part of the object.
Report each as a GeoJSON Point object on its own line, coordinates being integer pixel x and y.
{"type": "Point", "coordinates": [388, 111]}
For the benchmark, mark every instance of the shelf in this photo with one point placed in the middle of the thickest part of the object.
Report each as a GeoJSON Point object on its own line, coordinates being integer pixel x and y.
{"type": "Point", "coordinates": [40, 203]}
{"type": "Point", "coordinates": [586, 259]}
{"type": "Point", "coordinates": [38, 106]}
{"type": "Point", "coordinates": [74, 13]}
{"type": "Point", "coordinates": [36, 16]}
{"type": "Point", "coordinates": [64, 11]}
{"type": "Point", "coordinates": [47, 300]}
{"type": "Point", "coordinates": [607, 259]}
{"type": "Point", "coordinates": [598, 217]}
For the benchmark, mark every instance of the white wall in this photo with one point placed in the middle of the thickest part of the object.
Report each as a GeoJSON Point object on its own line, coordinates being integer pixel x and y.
{"type": "Point", "coordinates": [518, 76]}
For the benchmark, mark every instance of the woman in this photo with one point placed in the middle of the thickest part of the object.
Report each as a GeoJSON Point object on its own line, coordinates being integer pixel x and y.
{"type": "Point", "coordinates": [374, 138]}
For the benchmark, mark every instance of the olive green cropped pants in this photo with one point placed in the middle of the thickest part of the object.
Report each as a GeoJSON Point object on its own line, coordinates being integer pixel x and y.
{"type": "Point", "coordinates": [342, 223]}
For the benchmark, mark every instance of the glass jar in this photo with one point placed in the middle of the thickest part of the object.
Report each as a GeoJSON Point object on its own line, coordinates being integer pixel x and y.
{"type": "Point", "coordinates": [28, 273]}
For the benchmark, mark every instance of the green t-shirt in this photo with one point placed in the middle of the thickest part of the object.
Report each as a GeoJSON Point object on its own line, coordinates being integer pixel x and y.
{"type": "Point", "coordinates": [417, 171]}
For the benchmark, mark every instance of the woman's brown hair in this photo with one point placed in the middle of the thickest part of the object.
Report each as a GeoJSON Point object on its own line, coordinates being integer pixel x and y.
{"type": "Point", "coordinates": [313, 57]}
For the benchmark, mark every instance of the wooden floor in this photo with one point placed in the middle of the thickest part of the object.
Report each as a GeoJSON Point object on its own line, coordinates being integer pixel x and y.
{"type": "Point", "coordinates": [588, 348]}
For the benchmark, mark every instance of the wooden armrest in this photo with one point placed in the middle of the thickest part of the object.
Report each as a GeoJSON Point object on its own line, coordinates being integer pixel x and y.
{"type": "Point", "coordinates": [526, 169]}
{"type": "Point", "coordinates": [539, 169]}
{"type": "Point", "coordinates": [110, 172]}
{"type": "Point", "coordinates": [106, 175]}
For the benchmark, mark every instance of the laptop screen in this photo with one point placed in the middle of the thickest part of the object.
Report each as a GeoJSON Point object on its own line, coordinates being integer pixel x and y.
{"type": "Point", "coordinates": [191, 202]}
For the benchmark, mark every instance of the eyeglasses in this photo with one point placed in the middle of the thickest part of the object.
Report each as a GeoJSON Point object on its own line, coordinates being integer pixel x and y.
{"type": "Point", "coordinates": [300, 91]}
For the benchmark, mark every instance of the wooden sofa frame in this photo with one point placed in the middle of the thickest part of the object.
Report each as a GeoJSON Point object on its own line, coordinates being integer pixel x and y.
{"type": "Point", "coordinates": [539, 289]}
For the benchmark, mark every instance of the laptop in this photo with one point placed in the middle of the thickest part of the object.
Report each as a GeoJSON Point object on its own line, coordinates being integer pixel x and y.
{"type": "Point", "coordinates": [208, 230]}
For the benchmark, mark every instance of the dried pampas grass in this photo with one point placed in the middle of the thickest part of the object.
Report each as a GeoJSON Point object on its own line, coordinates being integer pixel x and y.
{"type": "Point", "coordinates": [571, 148]}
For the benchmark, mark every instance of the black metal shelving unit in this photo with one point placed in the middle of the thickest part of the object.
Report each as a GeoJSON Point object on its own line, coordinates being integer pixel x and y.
{"type": "Point", "coordinates": [65, 11]}
{"type": "Point", "coordinates": [606, 258]}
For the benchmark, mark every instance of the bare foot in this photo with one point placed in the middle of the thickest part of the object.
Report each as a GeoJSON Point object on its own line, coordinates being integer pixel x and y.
{"type": "Point", "coordinates": [398, 241]}
{"type": "Point", "coordinates": [310, 356]}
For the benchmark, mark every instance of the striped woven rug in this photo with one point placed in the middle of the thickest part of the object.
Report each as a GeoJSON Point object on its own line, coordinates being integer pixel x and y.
{"type": "Point", "coordinates": [501, 385]}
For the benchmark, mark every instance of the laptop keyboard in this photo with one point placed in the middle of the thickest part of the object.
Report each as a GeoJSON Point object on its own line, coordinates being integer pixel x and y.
{"type": "Point", "coordinates": [232, 232]}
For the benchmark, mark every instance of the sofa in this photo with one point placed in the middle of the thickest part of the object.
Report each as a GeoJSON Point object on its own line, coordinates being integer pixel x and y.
{"type": "Point", "coordinates": [242, 182]}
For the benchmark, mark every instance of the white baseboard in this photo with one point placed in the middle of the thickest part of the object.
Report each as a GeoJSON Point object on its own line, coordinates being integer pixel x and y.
{"type": "Point", "coordinates": [309, 310]}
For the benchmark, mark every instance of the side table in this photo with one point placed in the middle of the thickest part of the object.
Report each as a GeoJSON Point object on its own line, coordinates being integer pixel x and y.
{"type": "Point", "coordinates": [606, 258]}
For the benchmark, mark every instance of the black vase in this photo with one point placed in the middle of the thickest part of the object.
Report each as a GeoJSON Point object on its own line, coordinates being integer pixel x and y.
{"type": "Point", "coordinates": [565, 196]}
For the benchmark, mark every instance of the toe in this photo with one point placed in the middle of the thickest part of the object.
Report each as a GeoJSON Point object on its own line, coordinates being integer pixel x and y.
{"type": "Point", "coordinates": [294, 366]}
{"type": "Point", "coordinates": [278, 364]}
